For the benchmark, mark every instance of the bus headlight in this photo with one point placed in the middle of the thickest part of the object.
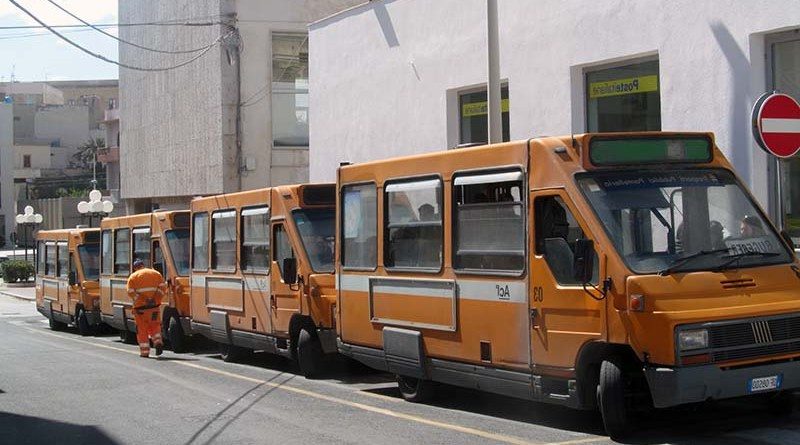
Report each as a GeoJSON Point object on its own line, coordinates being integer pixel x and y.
{"type": "Point", "coordinates": [693, 339]}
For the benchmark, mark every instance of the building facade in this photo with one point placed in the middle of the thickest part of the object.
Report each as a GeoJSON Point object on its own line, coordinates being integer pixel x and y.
{"type": "Point", "coordinates": [392, 78]}
{"type": "Point", "coordinates": [7, 211]}
{"type": "Point", "coordinates": [234, 119]}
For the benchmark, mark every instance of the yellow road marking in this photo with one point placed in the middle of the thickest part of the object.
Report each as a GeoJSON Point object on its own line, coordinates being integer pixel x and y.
{"type": "Point", "coordinates": [373, 409]}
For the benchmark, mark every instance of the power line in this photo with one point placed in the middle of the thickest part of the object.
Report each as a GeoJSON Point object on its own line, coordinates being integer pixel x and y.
{"type": "Point", "coordinates": [189, 51]}
{"type": "Point", "coordinates": [123, 65]}
{"type": "Point", "coordinates": [173, 22]}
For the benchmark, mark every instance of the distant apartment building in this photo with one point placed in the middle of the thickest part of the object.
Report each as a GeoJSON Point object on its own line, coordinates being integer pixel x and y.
{"type": "Point", "coordinates": [97, 95]}
{"type": "Point", "coordinates": [51, 120]}
{"type": "Point", "coordinates": [234, 119]}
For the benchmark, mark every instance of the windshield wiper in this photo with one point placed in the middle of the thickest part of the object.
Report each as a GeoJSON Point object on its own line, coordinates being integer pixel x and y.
{"type": "Point", "coordinates": [738, 256]}
{"type": "Point", "coordinates": [681, 261]}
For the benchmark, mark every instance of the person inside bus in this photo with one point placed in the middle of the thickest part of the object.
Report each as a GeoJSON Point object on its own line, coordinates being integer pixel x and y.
{"type": "Point", "coordinates": [750, 227]}
{"type": "Point", "coordinates": [717, 235]}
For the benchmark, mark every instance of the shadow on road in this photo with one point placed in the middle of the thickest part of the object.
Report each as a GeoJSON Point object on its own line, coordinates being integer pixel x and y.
{"type": "Point", "coordinates": [694, 424]}
{"type": "Point", "coordinates": [229, 407]}
{"type": "Point", "coordinates": [18, 429]}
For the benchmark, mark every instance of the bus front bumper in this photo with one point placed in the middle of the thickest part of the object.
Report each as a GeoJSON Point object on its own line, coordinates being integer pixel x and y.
{"type": "Point", "coordinates": [677, 386]}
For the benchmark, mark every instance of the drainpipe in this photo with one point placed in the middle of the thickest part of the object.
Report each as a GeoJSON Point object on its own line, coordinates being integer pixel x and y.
{"type": "Point", "coordinates": [493, 83]}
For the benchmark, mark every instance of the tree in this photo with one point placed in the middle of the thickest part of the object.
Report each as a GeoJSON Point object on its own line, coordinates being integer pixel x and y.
{"type": "Point", "coordinates": [85, 156]}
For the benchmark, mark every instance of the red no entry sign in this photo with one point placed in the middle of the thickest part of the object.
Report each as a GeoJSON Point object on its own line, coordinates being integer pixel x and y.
{"type": "Point", "coordinates": [776, 124]}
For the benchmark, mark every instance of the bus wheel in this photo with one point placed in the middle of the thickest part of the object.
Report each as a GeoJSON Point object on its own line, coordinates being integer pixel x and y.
{"type": "Point", "coordinates": [231, 353]}
{"type": "Point", "coordinates": [82, 323]}
{"type": "Point", "coordinates": [127, 337]}
{"type": "Point", "coordinates": [57, 325]}
{"type": "Point", "coordinates": [414, 389]}
{"type": "Point", "coordinates": [611, 392]}
{"type": "Point", "coordinates": [175, 335]}
{"type": "Point", "coordinates": [309, 353]}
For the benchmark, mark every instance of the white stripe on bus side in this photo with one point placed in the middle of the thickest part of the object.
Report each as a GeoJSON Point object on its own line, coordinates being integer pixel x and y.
{"type": "Point", "coordinates": [482, 290]}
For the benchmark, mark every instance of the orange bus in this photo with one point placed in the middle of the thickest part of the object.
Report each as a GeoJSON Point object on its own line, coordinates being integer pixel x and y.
{"type": "Point", "coordinates": [617, 271]}
{"type": "Point", "coordinates": [67, 278]}
{"type": "Point", "coordinates": [262, 272]}
{"type": "Point", "coordinates": [161, 240]}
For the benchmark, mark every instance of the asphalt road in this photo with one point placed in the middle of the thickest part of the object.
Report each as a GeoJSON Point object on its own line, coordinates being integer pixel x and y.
{"type": "Point", "coordinates": [58, 387]}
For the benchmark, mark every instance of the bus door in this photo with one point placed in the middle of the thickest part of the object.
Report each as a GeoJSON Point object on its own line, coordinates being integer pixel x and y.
{"type": "Point", "coordinates": [74, 282]}
{"type": "Point", "coordinates": [50, 283]}
{"type": "Point", "coordinates": [563, 314]}
{"type": "Point", "coordinates": [62, 272]}
{"type": "Point", "coordinates": [284, 298]}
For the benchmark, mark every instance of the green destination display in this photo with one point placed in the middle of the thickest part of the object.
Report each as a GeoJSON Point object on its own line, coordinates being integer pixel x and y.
{"type": "Point", "coordinates": [625, 151]}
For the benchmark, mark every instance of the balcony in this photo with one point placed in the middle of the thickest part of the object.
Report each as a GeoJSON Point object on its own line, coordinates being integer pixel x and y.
{"type": "Point", "coordinates": [111, 115]}
{"type": "Point", "coordinates": [108, 155]}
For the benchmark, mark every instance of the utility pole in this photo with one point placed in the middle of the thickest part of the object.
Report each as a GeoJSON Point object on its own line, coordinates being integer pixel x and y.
{"type": "Point", "coordinates": [494, 108]}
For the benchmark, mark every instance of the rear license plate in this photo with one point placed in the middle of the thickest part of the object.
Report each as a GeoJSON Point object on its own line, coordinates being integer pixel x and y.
{"type": "Point", "coordinates": [764, 383]}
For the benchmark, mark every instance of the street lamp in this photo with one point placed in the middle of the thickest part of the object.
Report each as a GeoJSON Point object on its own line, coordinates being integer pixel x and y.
{"type": "Point", "coordinates": [95, 207]}
{"type": "Point", "coordinates": [28, 219]}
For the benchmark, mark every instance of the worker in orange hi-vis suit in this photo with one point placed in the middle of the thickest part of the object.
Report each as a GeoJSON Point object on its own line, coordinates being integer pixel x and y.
{"type": "Point", "coordinates": [146, 288]}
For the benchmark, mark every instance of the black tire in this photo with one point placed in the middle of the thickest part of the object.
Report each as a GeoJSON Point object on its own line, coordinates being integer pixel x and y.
{"type": "Point", "coordinates": [177, 339]}
{"type": "Point", "coordinates": [84, 328]}
{"type": "Point", "coordinates": [57, 325]}
{"type": "Point", "coordinates": [309, 353]}
{"type": "Point", "coordinates": [611, 392]}
{"type": "Point", "coordinates": [232, 353]}
{"type": "Point", "coordinates": [415, 390]}
{"type": "Point", "coordinates": [781, 404]}
{"type": "Point", "coordinates": [127, 337]}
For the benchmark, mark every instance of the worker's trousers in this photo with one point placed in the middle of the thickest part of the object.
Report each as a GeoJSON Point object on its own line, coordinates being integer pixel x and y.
{"type": "Point", "coordinates": [148, 325]}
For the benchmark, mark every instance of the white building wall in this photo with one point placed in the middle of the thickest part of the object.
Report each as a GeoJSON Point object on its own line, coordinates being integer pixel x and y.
{"type": "Point", "coordinates": [385, 75]}
{"type": "Point", "coordinates": [7, 209]}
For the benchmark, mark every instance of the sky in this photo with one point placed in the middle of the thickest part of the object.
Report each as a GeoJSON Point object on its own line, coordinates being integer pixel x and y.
{"type": "Point", "coordinates": [47, 57]}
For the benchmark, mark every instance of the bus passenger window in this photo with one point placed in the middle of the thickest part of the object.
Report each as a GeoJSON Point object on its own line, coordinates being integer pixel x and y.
{"type": "Point", "coordinates": [489, 222]}
{"type": "Point", "coordinates": [40, 268]}
{"type": "Point", "coordinates": [200, 241]}
{"type": "Point", "coordinates": [141, 245]}
{"type": "Point", "coordinates": [122, 251]}
{"type": "Point", "coordinates": [50, 262]}
{"type": "Point", "coordinates": [359, 226]}
{"type": "Point", "coordinates": [556, 231]}
{"type": "Point", "coordinates": [108, 259]}
{"type": "Point", "coordinates": [63, 260]}
{"type": "Point", "coordinates": [413, 235]}
{"type": "Point", "coordinates": [255, 239]}
{"type": "Point", "coordinates": [223, 245]}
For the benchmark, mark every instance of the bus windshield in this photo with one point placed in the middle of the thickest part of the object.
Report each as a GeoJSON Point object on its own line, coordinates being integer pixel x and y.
{"type": "Point", "coordinates": [90, 261]}
{"type": "Point", "coordinates": [178, 241]}
{"type": "Point", "coordinates": [682, 220]}
{"type": "Point", "coordinates": [317, 227]}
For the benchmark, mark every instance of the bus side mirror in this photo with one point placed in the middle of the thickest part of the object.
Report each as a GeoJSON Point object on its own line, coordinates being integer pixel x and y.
{"type": "Point", "coordinates": [73, 280]}
{"type": "Point", "coordinates": [289, 271]}
{"type": "Point", "coordinates": [583, 262]}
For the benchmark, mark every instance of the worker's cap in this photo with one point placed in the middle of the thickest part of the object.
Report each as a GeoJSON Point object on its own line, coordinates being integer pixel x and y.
{"type": "Point", "coordinates": [137, 263]}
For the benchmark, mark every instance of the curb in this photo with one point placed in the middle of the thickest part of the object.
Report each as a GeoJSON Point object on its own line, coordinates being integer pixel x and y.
{"type": "Point", "coordinates": [17, 296]}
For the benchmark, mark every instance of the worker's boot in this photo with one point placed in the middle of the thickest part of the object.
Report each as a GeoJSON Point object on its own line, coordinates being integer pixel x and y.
{"type": "Point", "coordinates": [158, 343]}
{"type": "Point", "coordinates": [144, 350]}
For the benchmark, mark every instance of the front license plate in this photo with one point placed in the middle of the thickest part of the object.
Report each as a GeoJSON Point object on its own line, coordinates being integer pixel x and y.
{"type": "Point", "coordinates": [764, 383]}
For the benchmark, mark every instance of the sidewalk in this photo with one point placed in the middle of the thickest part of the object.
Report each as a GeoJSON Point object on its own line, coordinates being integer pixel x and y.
{"type": "Point", "coordinates": [20, 292]}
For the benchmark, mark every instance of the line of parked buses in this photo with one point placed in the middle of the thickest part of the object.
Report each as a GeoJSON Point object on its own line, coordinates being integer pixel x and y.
{"type": "Point", "coordinates": [609, 271]}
